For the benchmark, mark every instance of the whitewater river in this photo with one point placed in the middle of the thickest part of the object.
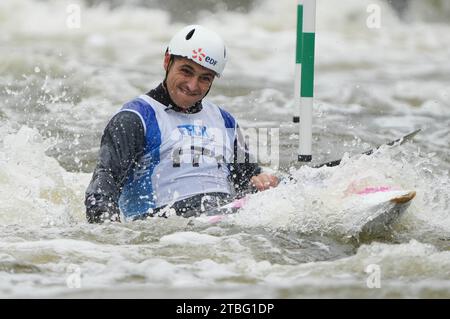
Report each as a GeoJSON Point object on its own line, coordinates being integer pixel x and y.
{"type": "Point", "coordinates": [61, 82]}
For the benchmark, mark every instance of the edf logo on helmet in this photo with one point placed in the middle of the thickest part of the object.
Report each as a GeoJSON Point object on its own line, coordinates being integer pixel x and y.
{"type": "Point", "coordinates": [198, 54]}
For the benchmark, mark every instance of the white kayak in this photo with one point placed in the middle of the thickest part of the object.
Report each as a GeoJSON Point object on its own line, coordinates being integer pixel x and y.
{"type": "Point", "coordinates": [371, 210]}
{"type": "Point", "coordinates": [387, 207]}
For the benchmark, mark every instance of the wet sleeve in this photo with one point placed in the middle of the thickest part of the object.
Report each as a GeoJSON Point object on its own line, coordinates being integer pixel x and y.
{"type": "Point", "coordinates": [243, 167]}
{"type": "Point", "coordinates": [121, 145]}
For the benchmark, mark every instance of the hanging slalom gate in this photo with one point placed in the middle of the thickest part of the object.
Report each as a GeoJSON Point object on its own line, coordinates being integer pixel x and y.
{"type": "Point", "coordinates": [304, 75]}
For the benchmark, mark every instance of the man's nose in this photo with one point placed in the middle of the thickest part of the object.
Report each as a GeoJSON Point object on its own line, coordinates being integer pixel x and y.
{"type": "Point", "coordinates": [192, 83]}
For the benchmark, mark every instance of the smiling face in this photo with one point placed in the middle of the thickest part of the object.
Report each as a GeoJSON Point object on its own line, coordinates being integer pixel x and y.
{"type": "Point", "coordinates": [187, 81]}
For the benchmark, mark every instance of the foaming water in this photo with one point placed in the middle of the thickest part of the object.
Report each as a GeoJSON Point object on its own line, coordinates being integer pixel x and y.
{"type": "Point", "coordinates": [35, 189]}
{"type": "Point", "coordinates": [60, 86]}
{"type": "Point", "coordinates": [319, 200]}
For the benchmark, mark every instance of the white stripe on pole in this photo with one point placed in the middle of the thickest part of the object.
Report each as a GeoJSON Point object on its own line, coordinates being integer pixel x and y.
{"type": "Point", "coordinates": [306, 126]}
{"type": "Point", "coordinates": [309, 16]}
{"type": "Point", "coordinates": [298, 81]}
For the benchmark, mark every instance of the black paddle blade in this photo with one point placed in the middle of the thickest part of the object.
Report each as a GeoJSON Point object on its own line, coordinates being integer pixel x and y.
{"type": "Point", "coordinates": [404, 139]}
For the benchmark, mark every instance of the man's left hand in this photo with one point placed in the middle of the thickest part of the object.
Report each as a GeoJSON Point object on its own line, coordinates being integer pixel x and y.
{"type": "Point", "coordinates": [264, 181]}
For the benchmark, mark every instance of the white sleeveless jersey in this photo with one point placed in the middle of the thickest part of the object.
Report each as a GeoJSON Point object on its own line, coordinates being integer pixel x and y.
{"type": "Point", "coordinates": [184, 155]}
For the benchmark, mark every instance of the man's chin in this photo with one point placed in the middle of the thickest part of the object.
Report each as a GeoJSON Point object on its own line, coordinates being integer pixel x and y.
{"type": "Point", "coordinates": [186, 105]}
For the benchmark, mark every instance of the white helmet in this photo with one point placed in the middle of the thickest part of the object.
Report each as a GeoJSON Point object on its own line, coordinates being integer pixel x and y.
{"type": "Point", "coordinates": [200, 45]}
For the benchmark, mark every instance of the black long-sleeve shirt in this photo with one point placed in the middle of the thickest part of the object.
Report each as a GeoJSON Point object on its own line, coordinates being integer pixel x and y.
{"type": "Point", "coordinates": [122, 145]}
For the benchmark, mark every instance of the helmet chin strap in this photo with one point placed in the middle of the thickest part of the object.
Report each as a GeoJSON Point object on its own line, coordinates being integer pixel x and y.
{"type": "Point", "coordinates": [173, 106]}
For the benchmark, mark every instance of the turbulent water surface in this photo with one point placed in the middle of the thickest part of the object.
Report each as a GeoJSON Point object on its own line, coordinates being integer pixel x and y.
{"type": "Point", "coordinates": [59, 85]}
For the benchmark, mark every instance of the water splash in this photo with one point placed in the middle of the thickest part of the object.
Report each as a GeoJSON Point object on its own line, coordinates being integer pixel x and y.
{"type": "Point", "coordinates": [35, 189]}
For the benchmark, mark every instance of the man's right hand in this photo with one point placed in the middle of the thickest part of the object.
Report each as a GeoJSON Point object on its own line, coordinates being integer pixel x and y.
{"type": "Point", "coordinates": [98, 211]}
{"type": "Point", "coordinates": [101, 217]}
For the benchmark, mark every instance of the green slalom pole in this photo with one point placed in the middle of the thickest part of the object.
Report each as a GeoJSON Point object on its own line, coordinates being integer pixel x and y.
{"type": "Point", "coordinates": [306, 78]}
{"type": "Point", "coordinates": [298, 58]}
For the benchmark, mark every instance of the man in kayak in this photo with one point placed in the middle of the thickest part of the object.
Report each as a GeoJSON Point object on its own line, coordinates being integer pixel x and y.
{"type": "Point", "coordinates": [170, 148]}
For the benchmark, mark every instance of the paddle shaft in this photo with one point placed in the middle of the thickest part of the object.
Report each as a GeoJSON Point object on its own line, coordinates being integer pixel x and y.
{"type": "Point", "coordinates": [401, 140]}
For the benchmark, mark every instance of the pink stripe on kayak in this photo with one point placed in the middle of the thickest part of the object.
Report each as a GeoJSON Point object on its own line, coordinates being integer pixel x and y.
{"type": "Point", "coordinates": [239, 203]}
{"type": "Point", "coordinates": [215, 219]}
{"type": "Point", "coordinates": [370, 190]}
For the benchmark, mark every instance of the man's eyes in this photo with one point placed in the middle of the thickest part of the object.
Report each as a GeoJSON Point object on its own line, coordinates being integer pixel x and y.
{"type": "Point", "coordinates": [204, 78]}
{"type": "Point", "coordinates": [187, 71]}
